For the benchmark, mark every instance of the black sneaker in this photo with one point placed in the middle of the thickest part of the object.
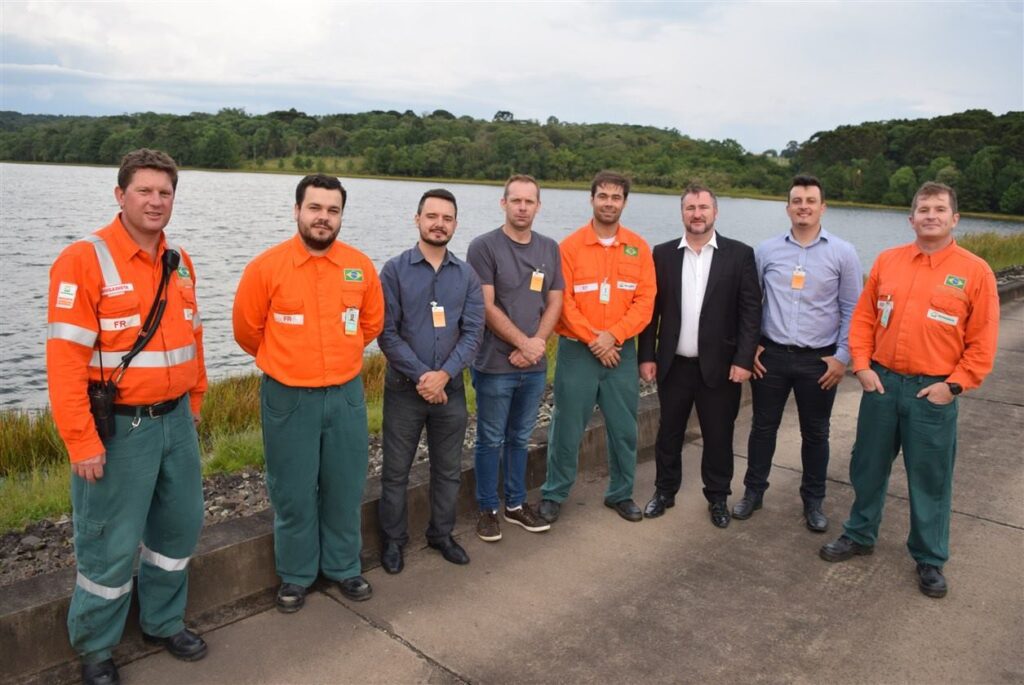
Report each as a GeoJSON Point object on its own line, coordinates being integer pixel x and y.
{"type": "Point", "coordinates": [356, 588]}
{"type": "Point", "coordinates": [548, 510]}
{"type": "Point", "coordinates": [842, 549]}
{"type": "Point", "coordinates": [290, 598]}
{"type": "Point", "coordinates": [931, 581]}
{"type": "Point", "coordinates": [102, 673]}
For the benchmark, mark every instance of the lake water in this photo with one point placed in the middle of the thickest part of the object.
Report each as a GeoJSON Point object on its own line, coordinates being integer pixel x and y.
{"type": "Point", "coordinates": [225, 219]}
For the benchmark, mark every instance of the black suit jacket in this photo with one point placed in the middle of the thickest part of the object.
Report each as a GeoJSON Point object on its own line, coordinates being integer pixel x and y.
{"type": "Point", "coordinates": [730, 317]}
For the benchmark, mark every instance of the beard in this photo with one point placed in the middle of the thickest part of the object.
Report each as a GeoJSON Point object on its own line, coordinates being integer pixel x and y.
{"type": "Point", "coordinates": [426, 237]}
{"type": "Point", "coordinates": [314, 243]}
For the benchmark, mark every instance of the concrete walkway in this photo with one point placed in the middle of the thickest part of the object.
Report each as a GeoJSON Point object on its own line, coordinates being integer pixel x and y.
{"type": "Point", "coordinates": [598, 599]}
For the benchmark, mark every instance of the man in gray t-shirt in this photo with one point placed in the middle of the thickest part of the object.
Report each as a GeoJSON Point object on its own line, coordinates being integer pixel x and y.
{"type": "Point", "coordinates": [521, 275]}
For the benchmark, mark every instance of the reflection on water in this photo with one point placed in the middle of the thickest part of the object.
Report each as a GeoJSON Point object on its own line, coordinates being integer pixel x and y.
{"type": "Point", "coordinates": [225, 219]}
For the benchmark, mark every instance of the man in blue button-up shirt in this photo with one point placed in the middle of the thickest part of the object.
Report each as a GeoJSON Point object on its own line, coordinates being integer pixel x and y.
{"type": "Point", "coordinates": [811, 281]}
{"type": "Point", "coordinates": [433, 324]}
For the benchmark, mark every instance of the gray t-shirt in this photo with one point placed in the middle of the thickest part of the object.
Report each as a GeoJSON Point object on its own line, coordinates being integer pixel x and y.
{"type": "Point", "coordinates": [509, 266]}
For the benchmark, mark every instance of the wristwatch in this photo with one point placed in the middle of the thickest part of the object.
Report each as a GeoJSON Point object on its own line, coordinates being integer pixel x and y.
{"type": "Point", "coordinates": [955, 388]}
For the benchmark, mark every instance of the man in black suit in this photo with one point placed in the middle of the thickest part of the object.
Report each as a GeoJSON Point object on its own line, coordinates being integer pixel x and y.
{"type": "Point", "coordinates": [700, 346]}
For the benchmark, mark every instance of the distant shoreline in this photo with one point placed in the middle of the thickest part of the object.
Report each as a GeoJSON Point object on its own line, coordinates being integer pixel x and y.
{"type": "Point", "coordinates": [559, 185]}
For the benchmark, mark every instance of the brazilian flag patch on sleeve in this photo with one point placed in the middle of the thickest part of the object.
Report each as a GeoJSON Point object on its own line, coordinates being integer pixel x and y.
{"type": "Point", "coordinates": [354, 275]}
{"type": "Point", "coordinates": [183, 272]}
{"type": "Point", "coordinates": [631, 250]}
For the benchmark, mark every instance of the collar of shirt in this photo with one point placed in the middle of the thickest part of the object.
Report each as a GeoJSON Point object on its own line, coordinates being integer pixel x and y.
{"type": "Point", "coordinates": [591, 236]}
{"type": "Point", "coordinates": [124, 247]}
{"type": "Point", "coordinates": [300, 254]}
{"type": "Point", "coordinates": [822, 235]}
{"type": "Point", "coordinates": [713, 243]}
{"type": "Point", "coordinates": [416, 255]}
{"type": "Point", "coordinates": [934, 258]}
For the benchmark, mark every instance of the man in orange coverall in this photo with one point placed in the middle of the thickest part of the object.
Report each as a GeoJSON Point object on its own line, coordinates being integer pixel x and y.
{"type": "Point", "coordinates": [924, 330]}
{"type": "Point", "coordinates": [609, 298]}
{"type": "Point", "coordinates": [135, 463]}
{"type": "Point", "coordinates": [306, 309]}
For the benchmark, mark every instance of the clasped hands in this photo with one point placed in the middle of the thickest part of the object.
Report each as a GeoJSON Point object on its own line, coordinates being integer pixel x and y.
{"type": "Point", "coordinates": [529, 353]}
{"type": "Point", "coordinates": [431, 387]}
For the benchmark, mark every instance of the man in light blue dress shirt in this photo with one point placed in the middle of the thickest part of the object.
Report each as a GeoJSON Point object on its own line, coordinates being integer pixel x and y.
{"type": "Point", "coordinates": [811, 281]}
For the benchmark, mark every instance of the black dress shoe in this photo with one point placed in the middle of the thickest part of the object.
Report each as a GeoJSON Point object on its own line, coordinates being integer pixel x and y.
{"type": "Point", "coordinates": [627, 509]}
{"type": "Point", "coordinates": [719, 514]}
{"type": "Point", "coordinates": [931, 581]}
{"type": "Point", "coordinates": [184, 644]}
{"type": "Point", "coordinates": [746, 507]}
{"type": "Point", "coordinates": [290, 598]}
{"type": "Point", "coordinates": [842, 549]}
{"type": "Point", "coordinates": [356, 588]}
{"type": "Point", "coordinates": [103, 673]}
{"type": "Point", "coordinates": [450, 550]}
{"type": "Point", "coordinates": [658, 504]}
{"type": "Point", "coordinates": [548, 510]}
{"type": "Point", "coordinates": [391, 558]}
{"type": "Point", "coordinates": [816, 519]}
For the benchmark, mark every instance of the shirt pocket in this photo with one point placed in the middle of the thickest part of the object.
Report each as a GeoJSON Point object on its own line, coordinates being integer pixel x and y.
{"type": "Point", "coordinates": [188, 305]}
{"type": "Point", "coordinates": [352, 297]}
{"type": "Point", "coordinates": [586, 283]}
{"type": "Point", "coordinates": [946, 310]}
{"type": "Point", "coordinates": [287, 315]}
{"type": "Point", "coordinates": [120, 320]}
{"type": "Point", "coordinates": [628, 276]}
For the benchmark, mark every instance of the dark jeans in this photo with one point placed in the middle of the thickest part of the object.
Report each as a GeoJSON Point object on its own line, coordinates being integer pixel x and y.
{"type": "Point", "coordinates": [716, 411]}
{"type": "Point", "coordinates": [405, 415]}
{"type": "Point", "coordinates": [797, 370]}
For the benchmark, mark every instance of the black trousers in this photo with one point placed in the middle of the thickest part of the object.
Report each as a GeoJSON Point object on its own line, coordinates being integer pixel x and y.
{"type": "Point", "coordinates": [717, 408]}
{"type": "Point", "coordinates": [405, 416]}
{"type": "Point", "coordinates": [797, 370]}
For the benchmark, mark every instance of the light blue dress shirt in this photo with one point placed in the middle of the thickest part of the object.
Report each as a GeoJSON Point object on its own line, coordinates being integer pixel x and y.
{"type": "Point", "coordinates": [817, 315]}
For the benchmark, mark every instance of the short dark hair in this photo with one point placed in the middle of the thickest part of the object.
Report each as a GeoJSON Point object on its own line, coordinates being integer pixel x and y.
{"type": "Point", "coordinates": [609, 178]}
{"type": "Point", "coordinates": [931, 189]}
{"type": "Point", "coordinates": [696, 188]}
{"type": "Point", "coordinates": [319, 181]}
{"type": "Point", "coordinates": [806, 181]}
{"type": "Point", "coordinates": [521, 178]}
{"type": "Point", "coordinates": [144, 158]}
{"type": "Point", "coordinates": [441, 194]}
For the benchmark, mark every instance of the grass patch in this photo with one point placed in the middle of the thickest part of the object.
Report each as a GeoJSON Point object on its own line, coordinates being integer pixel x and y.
{"type": "Point", "coordinates": [232, 452]}
{"type": "Point", "coordinates": [40, 493]}
{"type": "Point", "coordinates": [28, 440]}
{"type": "Point", "coordinates": [1000, 251]}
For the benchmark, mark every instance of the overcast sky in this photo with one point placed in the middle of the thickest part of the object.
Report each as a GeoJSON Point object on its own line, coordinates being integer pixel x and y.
{"type": "Point", "coordinates": [761, 73]}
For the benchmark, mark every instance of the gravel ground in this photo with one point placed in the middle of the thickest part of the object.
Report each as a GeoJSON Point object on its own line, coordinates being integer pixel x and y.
{"type": "Point", "coordinates": [46, 545]}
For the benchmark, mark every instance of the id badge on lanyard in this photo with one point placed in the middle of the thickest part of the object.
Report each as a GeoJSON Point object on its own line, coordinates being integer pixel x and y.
{"type": "Point", "coordinates": [437, 314]}
{"type": "Point", "coordinates": [885, 305]}
{"type": "Point", "coordinates": [799, 278]}
{"type": "Point", "coordinates": [351, 319]}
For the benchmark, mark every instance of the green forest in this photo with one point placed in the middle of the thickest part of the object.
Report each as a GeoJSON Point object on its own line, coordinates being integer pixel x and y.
{"type": "Point", "coordinates": [978, 153]}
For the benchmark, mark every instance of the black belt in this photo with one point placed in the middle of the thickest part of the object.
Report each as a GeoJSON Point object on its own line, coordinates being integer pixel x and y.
{"type": "Point", "coordinates": [827, 350]}
{"type": "Point", "coordinates": [687, 360]}
{"type": "Point", "coordinates": [150, 410]}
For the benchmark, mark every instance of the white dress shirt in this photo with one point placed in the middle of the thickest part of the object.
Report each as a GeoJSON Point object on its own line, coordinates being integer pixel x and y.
{"type": "Point", "coordinates": [696, 267]}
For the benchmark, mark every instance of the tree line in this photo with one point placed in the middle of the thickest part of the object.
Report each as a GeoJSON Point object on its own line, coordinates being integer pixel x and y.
{"type": "Point", "coordinates": [980, 154]}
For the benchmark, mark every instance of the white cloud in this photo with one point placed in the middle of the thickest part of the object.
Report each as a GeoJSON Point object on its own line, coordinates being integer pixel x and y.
{"type": "Point", "coordinates": [758, 72]}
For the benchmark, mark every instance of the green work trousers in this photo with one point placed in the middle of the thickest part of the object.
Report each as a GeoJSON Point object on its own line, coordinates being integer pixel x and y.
{"type": "Point", "coordinates": [927, 434]}
{"type": "Point", "coordinates": [151, 491]}
{"type": "Point", "coordinates": [580, 383]}
{"type": "Point", "coordinates": [316, 448]}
